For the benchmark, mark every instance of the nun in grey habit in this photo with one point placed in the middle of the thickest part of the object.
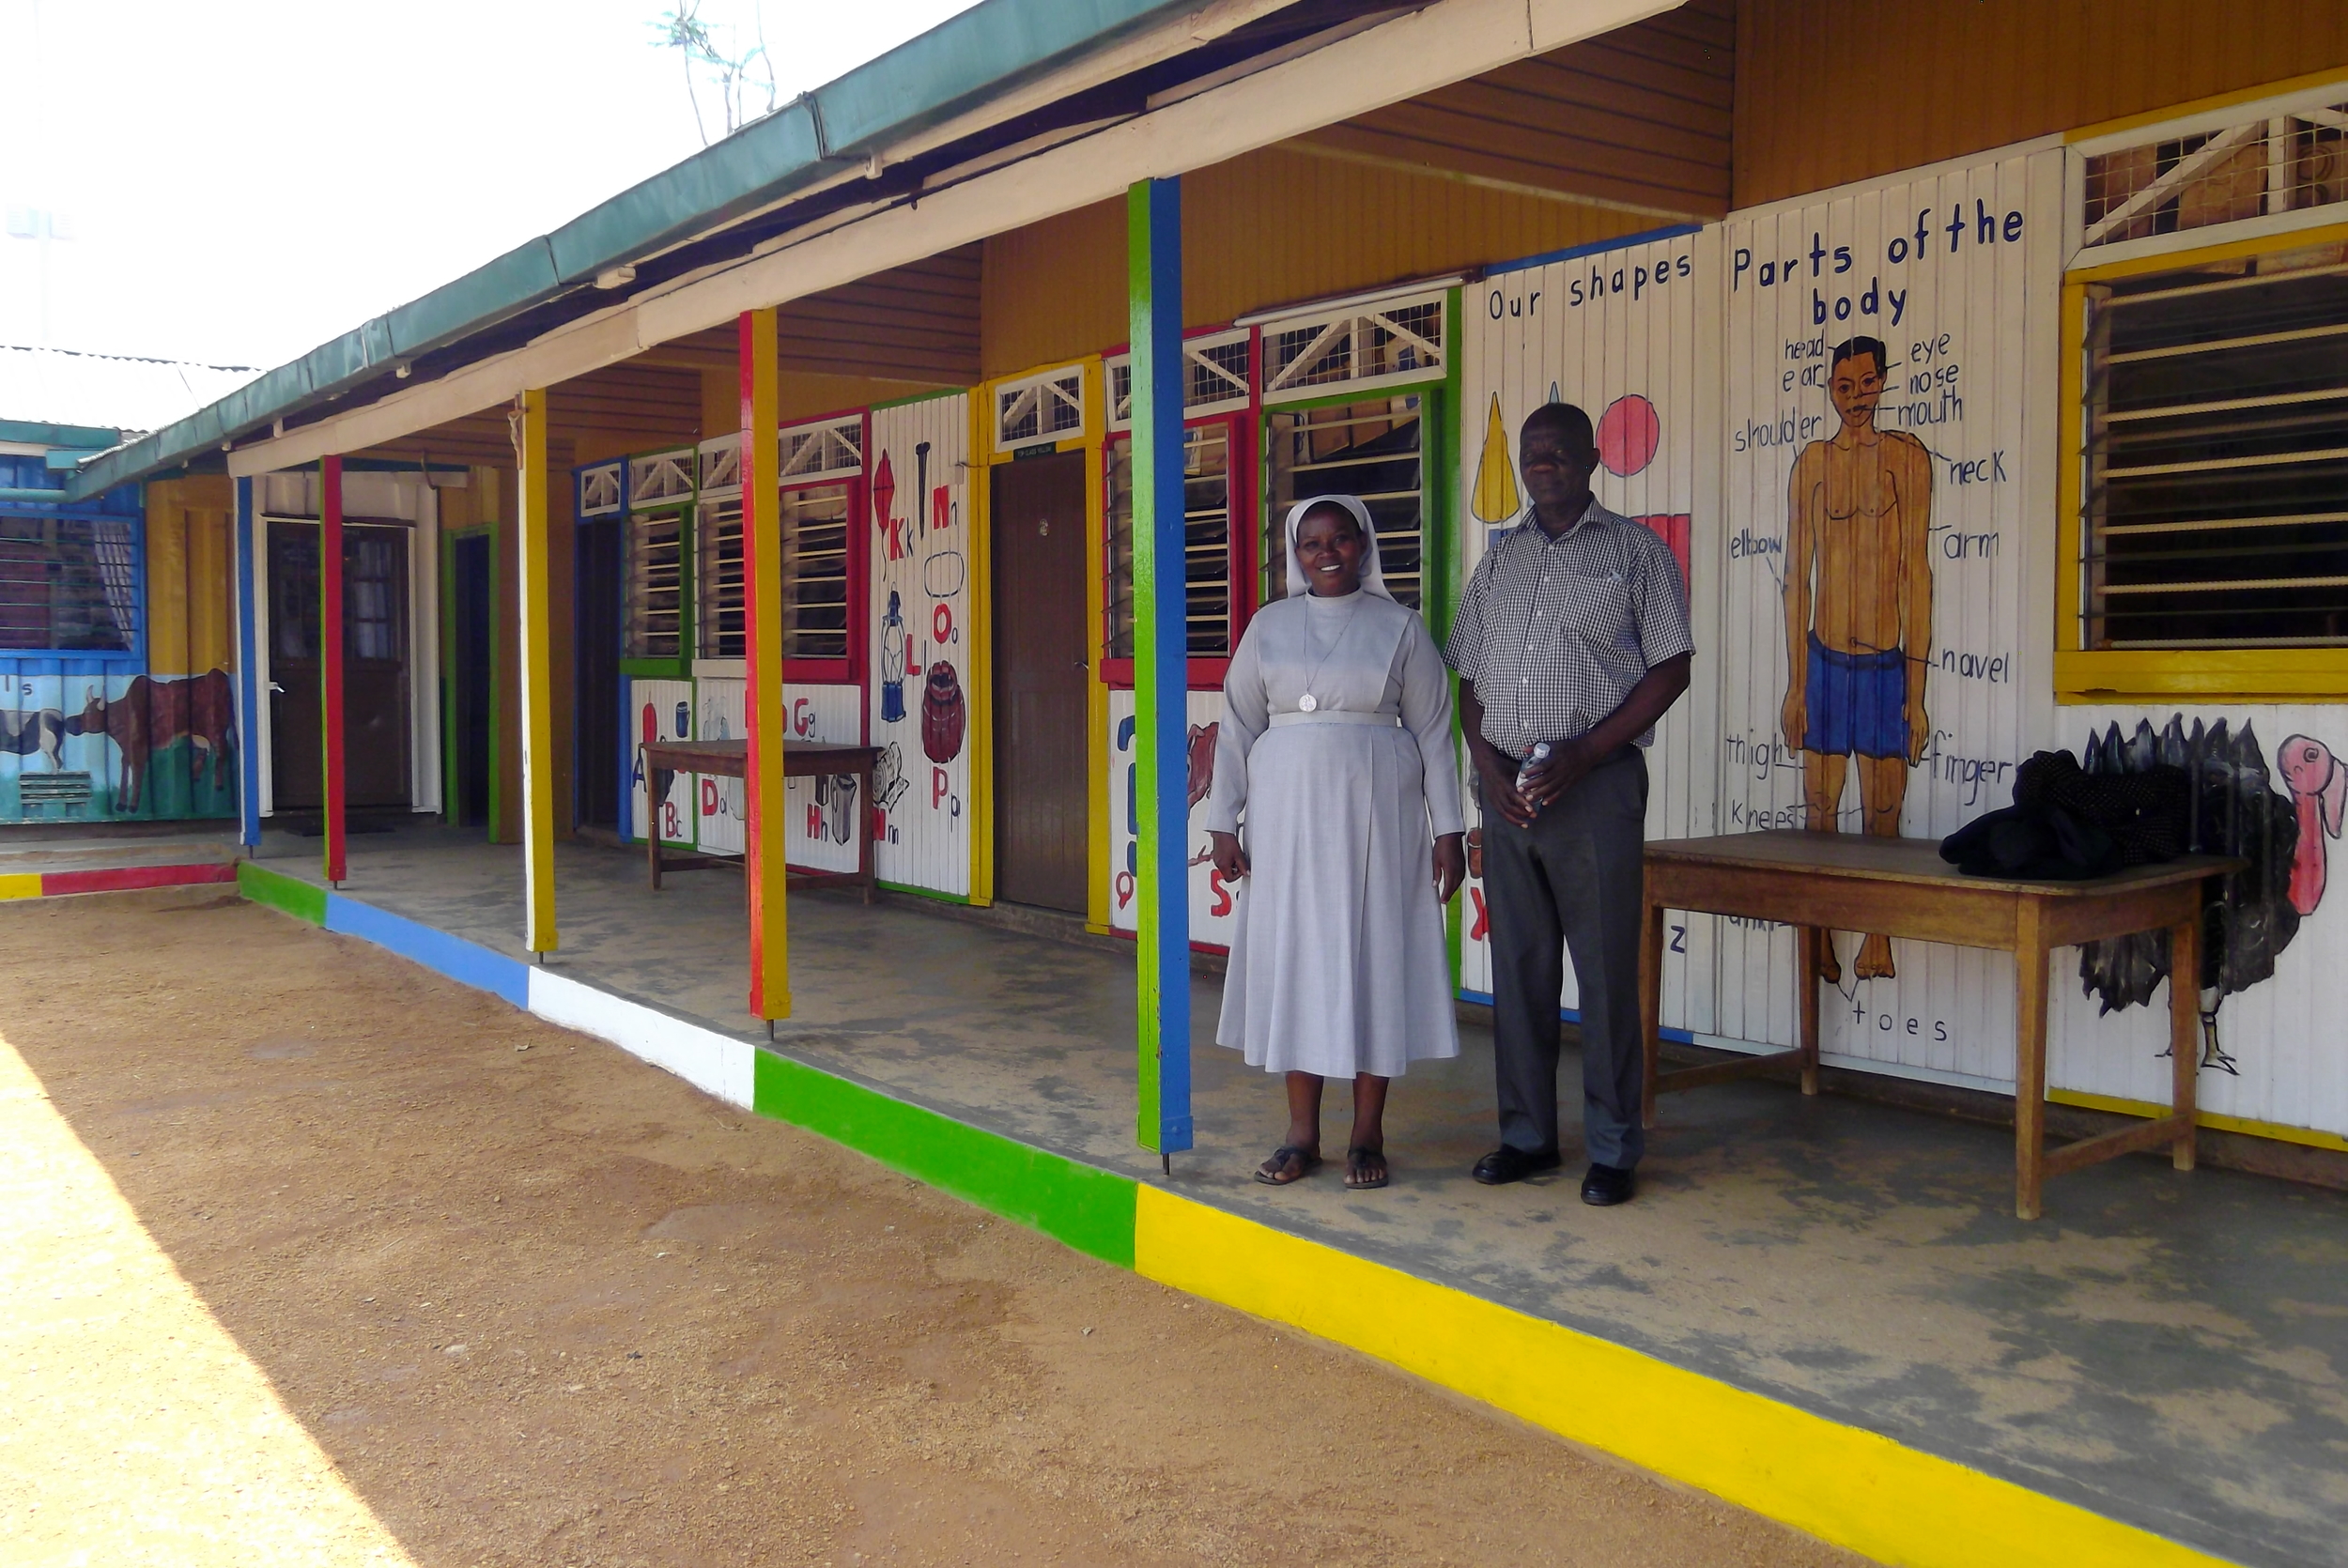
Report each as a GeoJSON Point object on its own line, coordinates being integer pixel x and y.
{"type": "Point", "coordinates": [1336, 748]}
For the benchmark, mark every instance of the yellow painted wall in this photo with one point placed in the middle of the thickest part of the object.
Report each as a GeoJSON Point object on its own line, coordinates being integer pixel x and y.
{"type": "Point", "coordinates": [1264, 229]}
{"type": "Point", "coordinates": [1830, 91]}
{"type": "Point", "coordinates": [190, 588]}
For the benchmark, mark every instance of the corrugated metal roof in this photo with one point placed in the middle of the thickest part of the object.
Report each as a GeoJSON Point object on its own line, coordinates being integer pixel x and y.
{"type": "Point", "coordinates": [116, 391]}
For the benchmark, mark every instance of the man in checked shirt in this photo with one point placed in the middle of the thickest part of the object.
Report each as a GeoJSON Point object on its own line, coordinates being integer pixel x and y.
{"type": "Point", "coordinates": [1574, 631]}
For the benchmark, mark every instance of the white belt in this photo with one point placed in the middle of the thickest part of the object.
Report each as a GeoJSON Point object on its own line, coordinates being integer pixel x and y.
{"type": "Point", "coordinates": [1338, 716]}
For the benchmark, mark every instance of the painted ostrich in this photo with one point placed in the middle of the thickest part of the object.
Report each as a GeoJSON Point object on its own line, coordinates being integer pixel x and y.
{"type": "Point", "coordinates": [2237, 811]}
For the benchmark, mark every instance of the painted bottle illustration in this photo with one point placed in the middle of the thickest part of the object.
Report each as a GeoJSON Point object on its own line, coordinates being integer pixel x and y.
{"type": "Point", "coordinates": [893, 641]}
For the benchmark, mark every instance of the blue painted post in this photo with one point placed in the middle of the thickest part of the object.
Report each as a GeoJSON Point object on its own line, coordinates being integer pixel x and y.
{"type": "Point", "coordinates": [1153, 250]}
{"type": "Point", "coordinates": [248, 675]}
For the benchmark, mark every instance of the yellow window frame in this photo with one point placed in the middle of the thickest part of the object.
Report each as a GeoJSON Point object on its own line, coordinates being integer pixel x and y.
{"type": "Point", "coordinates": [2205, 674]}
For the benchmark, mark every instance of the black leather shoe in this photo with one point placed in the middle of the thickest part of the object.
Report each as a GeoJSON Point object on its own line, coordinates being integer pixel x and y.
{"type": "Point", "coordinates": [1506, 1165]}
{"type": "Point", "coordinates": [1608, 1185]}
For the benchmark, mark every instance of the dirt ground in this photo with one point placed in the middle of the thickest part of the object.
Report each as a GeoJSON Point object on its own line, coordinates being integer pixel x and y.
{"type": "Point", "coordinates": [454, 1286]}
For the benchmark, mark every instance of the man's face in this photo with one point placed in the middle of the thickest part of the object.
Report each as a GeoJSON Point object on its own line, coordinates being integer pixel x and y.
{"type": "Point", "coordinates": [1555, 472]}
{"type": "Point", "coordinates": [1857, 388]}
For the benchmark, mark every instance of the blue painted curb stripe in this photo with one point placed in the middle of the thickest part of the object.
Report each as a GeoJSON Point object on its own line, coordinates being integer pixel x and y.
{"type": "Point", "coordinates": [467, 962]}
{"type": "Point", "coordinates": [1573, 1015]}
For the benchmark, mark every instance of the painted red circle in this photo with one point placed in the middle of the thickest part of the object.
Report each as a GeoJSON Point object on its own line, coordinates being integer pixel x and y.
{"type": "Point", "coordinates": [1627, 434]}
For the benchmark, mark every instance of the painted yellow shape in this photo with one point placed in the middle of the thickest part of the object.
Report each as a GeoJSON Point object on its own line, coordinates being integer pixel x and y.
{"type": "Point", "coordinates": [1495, 500]}
{"type": "Point", "coordinates": [1838, 1483]}
{"type": "Point", "coordinates": [133, 1429]}
{"type": "Point", "coordinates": [2311, 1137]}
{"type": "Point", "coordinates": [20, 884]}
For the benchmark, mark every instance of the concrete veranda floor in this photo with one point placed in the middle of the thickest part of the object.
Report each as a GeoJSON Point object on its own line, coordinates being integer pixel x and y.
{"type": "Point", "coordinates": [2167, 1350]}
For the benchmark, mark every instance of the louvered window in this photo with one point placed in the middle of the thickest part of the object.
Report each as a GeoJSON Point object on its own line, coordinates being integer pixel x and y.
{"type": "Point", "coordinates": [718, 591]}
{"type": "Point", "coordinates": [655, 597]}
{"type": "Point", "coordinates": [68, 583]}
{"type": "Point", "coordinates": [815, 571]}
{"type": "Point", "coordinates": [1370, 449]}
{"type": "Point", "coordinates": [1207, 535]}
{"type": "Point", "coordinates": [2217, 498]}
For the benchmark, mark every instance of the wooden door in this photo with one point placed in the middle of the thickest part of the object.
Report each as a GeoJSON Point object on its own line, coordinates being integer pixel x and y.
{"type": "Point", "coordinates": [375, 669]}
{"type": "Point", "coordinates": [1038, 524]}
{"type": "Point", "coordinates": [469, 677]}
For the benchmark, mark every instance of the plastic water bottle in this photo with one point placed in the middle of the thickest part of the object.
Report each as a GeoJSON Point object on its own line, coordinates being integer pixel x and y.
{"type": "Point", "coordinates": [1533, 760]}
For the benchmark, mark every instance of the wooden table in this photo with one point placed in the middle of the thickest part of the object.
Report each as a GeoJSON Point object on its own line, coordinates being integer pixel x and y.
{"type": "Point", "coordinates": [1821, 882]}
{"type": "Point", "coordinates": [664, 759]}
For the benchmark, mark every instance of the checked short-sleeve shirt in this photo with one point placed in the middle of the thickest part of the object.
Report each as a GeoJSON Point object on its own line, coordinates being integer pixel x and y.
{"type": "Point", "coordinates": [1556, 632]}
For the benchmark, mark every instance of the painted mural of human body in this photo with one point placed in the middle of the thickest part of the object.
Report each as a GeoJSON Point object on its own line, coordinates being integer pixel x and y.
{"type": "Point", "coordinates": [1859, 614]}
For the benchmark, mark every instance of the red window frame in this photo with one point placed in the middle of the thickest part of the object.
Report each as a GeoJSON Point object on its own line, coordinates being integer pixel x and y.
{"type": "Point", "coordinates": [850, 670]}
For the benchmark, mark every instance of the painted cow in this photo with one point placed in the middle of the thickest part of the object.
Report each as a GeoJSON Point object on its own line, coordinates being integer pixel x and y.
{"type": "Point", "coordinates": [153, 714]}
{"type": "Point", "coordinates": [26, 731]}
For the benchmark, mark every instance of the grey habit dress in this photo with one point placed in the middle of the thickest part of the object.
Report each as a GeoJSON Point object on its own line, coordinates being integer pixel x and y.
{"type": "Point", "coordinates": [1336, 741]}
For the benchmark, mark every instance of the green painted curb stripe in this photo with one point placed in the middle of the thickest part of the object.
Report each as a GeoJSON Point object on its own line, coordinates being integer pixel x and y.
{"type": "Point", "coordinates": [1085, 1207]}
{"type": "Point", "coordinates": [279, 892]}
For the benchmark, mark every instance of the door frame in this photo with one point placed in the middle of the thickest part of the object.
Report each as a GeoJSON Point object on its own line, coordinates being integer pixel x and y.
{"type": "Point", "coordinates": [419, 491]}
{"type": "Point", "coordinates": [984, 457]}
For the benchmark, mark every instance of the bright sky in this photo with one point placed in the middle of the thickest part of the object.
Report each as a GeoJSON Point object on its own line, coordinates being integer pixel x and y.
{"type": "Point", "coordinates": [239, 181]}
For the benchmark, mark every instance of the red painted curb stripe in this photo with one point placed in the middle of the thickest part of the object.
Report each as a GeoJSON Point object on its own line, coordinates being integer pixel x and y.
{"type": "Point", "coordinates": [124, 878]}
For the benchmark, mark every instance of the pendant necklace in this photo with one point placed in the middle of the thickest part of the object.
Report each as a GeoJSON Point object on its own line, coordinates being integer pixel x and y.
{"type": "Point", "coordinates": [1308, 703]}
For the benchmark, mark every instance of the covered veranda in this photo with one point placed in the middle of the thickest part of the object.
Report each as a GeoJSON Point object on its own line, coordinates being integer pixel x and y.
{"type": "Point", "coordinates": [2157, 1352]}
{"type": "Point", "coordinates": [2151, 1351]}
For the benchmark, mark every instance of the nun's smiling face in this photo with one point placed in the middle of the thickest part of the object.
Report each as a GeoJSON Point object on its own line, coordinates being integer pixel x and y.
{"type": "Point", "coordinates": [1329, 545]}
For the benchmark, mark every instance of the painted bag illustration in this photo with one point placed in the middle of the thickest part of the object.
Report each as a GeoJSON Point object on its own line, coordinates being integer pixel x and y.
{"type": "Point", "coordinates": [943, 713]}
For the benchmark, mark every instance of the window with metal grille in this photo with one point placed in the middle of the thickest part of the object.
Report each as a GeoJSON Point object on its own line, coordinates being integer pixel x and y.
{"type": "Point", "coordinates": [68, 583]}
{"type": "Point", "coordinates": [653, 596]}
{"type": "Point", "coordinates": [2256, 168]}
{"type": "Point", "coordinates": [1207, 544]}
{"type": "Point", "coordinates": [1390, 342]}
{"type": "Point", "coordinates": [1042, 407]}
{"type": "Point", "coordinates": [833, 447]}
{"type": "Point", "coordinates": [2216, 509]}
{"type": "Point", "coordinates": [717, 589]}
{"type": "Point", "coordinates": [1369, 449]}
{"type": "Point", "coordinates": [815, 571]}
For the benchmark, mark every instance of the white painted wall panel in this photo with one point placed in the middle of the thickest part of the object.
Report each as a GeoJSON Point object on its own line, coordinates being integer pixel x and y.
{"type": "Point", "coordinates": [1968, 318]}
{"type": "Point", "coordinates": [921, 579]}
{"type": "Point", "coordinates": [660, 711]}
{"type": "Point", "coordinates": [2288, 1045]}
{"type": "Point", "coordinates": [1620, 333]}
{"type": "Point", "coordinates": [1214, 906]}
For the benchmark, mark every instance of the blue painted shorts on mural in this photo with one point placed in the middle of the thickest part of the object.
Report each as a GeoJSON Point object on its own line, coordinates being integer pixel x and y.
{"type": "Point", "coordinates": [1858, 702]}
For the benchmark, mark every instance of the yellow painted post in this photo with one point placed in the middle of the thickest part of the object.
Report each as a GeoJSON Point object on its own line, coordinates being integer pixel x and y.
{"type": "Point", "coordinates": [537, 674]}
{"type": "Point", "coordinates": [763, 634]}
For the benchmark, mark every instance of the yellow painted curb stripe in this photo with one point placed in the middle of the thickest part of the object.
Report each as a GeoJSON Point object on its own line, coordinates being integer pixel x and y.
{"type": "Point", "coordinates": [20, 884]}
{"type": "Point", "coordinates": [1851, 1487]}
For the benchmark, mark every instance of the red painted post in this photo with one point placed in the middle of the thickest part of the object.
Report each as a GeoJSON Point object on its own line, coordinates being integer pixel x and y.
{"type": "Point", "coordinates": [330, 658]}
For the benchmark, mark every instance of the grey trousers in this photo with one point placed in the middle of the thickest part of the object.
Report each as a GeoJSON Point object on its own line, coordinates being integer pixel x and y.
{"type": "Point", "coordinates": [1572, 881]}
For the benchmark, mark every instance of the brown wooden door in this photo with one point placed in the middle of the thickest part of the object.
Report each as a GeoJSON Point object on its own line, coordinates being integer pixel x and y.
{"type": "Point", "coordinates": [374, 668]}
{"type": "Point", "coordinates": [1038, 522]}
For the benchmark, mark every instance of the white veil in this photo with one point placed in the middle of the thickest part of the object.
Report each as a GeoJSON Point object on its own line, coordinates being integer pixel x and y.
{"type": "Point", "coordinates": [1373, 577]}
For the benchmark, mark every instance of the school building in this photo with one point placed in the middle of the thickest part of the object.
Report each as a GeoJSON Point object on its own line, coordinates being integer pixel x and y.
{"type": "Point", "coordinates": [951, 410]}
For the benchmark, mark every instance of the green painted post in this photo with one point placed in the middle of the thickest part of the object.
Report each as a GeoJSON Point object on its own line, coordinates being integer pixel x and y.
{"type": "Point", "coordinates": [1153, 251]}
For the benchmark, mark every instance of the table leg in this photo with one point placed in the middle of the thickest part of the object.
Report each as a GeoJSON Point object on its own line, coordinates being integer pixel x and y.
{"type": "Point", "coordinates": [1650, 1007]}
{"type": "Point", "coordinates": [2184, 1042]}
{"type": "Point", "coordinates": [864, 821]}
{"type": "Point", "coordinates": [1806, 941]}
{"type": "Point", "coordinates": [656, 782]}
{"type": "Point", "coordinates": [2030, 1058]}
